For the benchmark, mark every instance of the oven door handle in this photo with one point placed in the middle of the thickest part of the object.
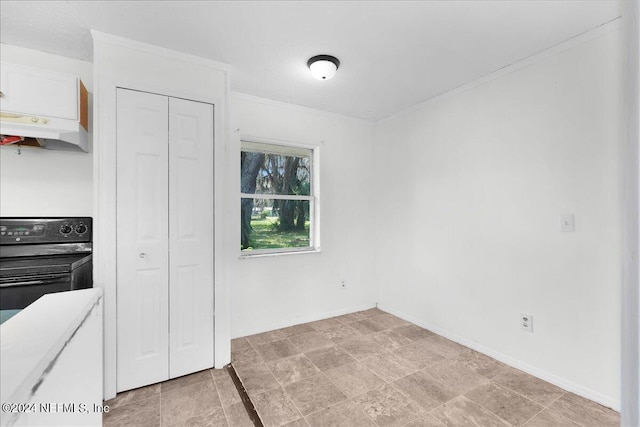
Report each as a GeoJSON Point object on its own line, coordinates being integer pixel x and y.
{"type": "Point", "coordinates": [26, 283]}
{"type": "Point", "coordinates": [49, 279]}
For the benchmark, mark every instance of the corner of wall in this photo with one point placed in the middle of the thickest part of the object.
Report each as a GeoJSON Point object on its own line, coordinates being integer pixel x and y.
{"type": "Point", "coordinates": [630, 413]}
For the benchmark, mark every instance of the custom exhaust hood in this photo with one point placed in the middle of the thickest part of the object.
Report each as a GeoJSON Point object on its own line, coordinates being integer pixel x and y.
{"type": "Point", "coordinates": [43, 108]}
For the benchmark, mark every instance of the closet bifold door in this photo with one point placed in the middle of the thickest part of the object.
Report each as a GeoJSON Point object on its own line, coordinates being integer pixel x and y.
{"type": "Point", "coordinates": [190, 236]}
{"type": "Point", "coordinates": [142, 239]}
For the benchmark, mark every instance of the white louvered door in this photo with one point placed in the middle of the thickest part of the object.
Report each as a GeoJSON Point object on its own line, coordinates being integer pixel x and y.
{"type": "Point", "coordinates": [164, 238]}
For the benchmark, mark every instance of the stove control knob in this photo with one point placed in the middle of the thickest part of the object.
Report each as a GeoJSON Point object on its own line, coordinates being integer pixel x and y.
{"type": "Point", "coordinates": [81, 229]}
{"type": "Point", "coordinates": [65, 229]}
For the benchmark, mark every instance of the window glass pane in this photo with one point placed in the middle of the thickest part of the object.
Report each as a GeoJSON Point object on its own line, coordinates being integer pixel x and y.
{"type": "Point", "coordinates": [275, 173]}
{"type": "Point", "coordinates": [274, 224]}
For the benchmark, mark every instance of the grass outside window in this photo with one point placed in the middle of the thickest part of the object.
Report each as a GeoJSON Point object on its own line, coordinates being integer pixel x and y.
{"type": "Point", "coordinates": [277, 200]}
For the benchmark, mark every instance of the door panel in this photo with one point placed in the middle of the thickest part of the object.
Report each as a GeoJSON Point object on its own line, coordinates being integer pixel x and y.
{"type": "Point", "coordinates": [149, 336]}
{"type": "Point", "coordinates": [146, 202]}
{"type": "Point", "coordinates": [190, 236]}
{"type": "Point", "coordinates": [142, 238]}
{"type": "Point", "coordinates": [186, 284]}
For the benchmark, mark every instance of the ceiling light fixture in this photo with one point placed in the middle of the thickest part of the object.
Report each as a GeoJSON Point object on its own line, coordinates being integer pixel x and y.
{"type": "Point", "coordinates": [323, 67]}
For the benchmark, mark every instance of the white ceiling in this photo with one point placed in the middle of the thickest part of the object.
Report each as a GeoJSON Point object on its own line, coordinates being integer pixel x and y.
{"type": "Point", "coordinates": [394, 54]}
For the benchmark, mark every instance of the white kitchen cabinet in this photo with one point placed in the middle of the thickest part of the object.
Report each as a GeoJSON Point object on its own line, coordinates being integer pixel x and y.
{"type": "Point", "coordinates": [45, 105]}
{"type": "Point", "coordinates": [164, 238]}
{"type": "Point", "coordinates": [38, 92]}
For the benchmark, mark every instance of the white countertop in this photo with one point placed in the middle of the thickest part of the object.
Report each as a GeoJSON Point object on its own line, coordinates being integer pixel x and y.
{"type": "Point", "coordinates": [32, 340]}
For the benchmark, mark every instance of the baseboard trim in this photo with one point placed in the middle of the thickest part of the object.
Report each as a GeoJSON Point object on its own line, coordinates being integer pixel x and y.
{"type": "Point", "coordinates": [299, 320]}
{"type": "Point", "coordinates": [546, 376]}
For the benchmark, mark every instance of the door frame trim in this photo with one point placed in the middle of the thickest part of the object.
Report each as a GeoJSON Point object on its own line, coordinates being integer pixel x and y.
{"type": "Point", "coordinates": [112, 70]}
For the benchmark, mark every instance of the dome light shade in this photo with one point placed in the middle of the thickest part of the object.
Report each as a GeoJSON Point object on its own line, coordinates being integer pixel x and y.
{"type": "Point", "coordinates": [323, 67]}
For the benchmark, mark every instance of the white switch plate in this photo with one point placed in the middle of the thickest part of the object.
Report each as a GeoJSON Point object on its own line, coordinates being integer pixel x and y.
{"type": "Point", "coordinates": [567, 223]}
{"type": "Point", "coordinates": [526, 322]}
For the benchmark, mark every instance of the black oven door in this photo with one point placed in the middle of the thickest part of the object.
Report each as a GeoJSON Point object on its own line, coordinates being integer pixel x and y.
{"type": "Point", "coordinates": [25, 279]}
{"type": "Point", "coordinates": [17, 292]}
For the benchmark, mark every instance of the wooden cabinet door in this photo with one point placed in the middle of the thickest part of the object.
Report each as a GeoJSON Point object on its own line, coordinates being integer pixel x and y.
{"type": "Point", "coordinates": [36, 92]}
{"type": "Point", "coordinates": [190, 236]}
{"type": "Point", "coordinates": [142, 239]}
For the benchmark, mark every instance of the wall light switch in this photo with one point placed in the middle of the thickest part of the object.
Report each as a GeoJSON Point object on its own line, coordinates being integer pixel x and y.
{"type": "Point", "coordinates": [567, 223]}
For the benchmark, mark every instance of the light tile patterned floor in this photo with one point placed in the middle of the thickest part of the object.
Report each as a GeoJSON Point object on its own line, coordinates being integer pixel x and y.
{"type": "Point", "coordinates": [373, 369]}
{"type": "Point", "coordinates": [361, 369]}
{"type": "Point", "coordinates": [206, 398]}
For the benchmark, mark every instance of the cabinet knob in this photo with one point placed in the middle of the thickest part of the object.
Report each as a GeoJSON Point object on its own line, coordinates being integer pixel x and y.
{"type": "Point", "coordinates": [45, 121]}
{"type": "Point", "coordinates": [1, 94]}
{"type": "Point", "coordinates": [34, 119]}
{"type": "Point", "coordinates": [143, 255]}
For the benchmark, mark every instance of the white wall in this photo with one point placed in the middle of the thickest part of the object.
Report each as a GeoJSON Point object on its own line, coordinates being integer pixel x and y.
{"type": "Point", "coordinates": [46, 182]}
{"type": "Point", "coordinates": [630, 413]}
{"type": "Point", "coordinates": [277, 291]}
{"type": "Point", "coordinates": [472, 189]}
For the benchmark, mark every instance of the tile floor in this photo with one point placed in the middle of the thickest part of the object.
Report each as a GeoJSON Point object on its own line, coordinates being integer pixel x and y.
{"type": "Point", "coordinates": [206, 398]}
{"type": "Point", "coordinates": [362, 369]}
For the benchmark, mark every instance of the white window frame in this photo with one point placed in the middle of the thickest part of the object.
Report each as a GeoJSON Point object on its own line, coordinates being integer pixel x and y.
{"type": "Point", "coordinates": [254, 144]}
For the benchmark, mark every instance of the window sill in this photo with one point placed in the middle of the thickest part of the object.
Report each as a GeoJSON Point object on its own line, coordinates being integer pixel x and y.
{"type": "Point", "coordinates": [255, 254]}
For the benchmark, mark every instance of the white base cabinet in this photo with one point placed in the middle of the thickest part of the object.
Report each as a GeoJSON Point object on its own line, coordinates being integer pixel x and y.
{"type": "Point", "coordinates": [165, 242]}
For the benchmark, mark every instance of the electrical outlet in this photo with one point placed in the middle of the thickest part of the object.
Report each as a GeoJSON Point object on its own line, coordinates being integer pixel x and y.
{"type": "Point", "coordinates": [526, 322]}
{"type": "Point", "coordinates": [567, 223]}
{"type": "Point", "coordinates": [343, 284]}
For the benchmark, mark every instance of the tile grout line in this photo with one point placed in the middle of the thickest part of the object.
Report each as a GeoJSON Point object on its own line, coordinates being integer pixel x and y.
{"type": "Point", "coordinates": [323, 373]}
{"type": "Point", "coordinates": [225, 409]}
{"type": "Point", "coordinates": [196, 382]}
{"type": "Point", "coordinates": [160, 405]}
{"type": "Point", "coordinates": [215, 383]}
{"type": "Point", "coordinates": [389, 383]}
{"type": "Point", "coordinates": [326, 407]}
{"type": "Point", "coordinates": [442, 403]}
{"type": "Point", "coordinates": [500, 385]}
{"type": "Point", "coordinates": [348, 399]}
{"type": "Point", "coordinates": [536, 414]}
{"type": "Point", "coordinates": [544, 408]}
{"type": "Point", "coordinates": [490, 381]}
{"type": "Point", "coordinates": [526, 397]}
{"type": "Point", "coordinates": [283, 387]}
{"type": "Point", "coordinates": [549, 405]}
